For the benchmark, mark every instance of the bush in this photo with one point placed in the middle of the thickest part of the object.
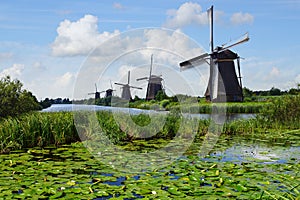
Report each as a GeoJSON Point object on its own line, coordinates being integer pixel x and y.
{"type": "Point", "coordinates": [284, 110]}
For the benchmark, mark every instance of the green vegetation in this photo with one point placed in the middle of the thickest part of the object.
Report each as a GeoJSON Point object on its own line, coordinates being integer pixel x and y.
{"type": "Point", "coordinates": [15, 100]}
{"type": "Point", "coordinates": [36, 163]}
{"type": "Point", "coordinates": [42, 129]}
{"type": "Point", "coordinates": [71, 172]}
{"type": "Point", "coordinates": [37, 129]}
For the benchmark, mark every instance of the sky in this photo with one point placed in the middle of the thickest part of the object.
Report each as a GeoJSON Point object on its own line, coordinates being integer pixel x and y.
{"type": "Point", "coordinates": [63, 48]}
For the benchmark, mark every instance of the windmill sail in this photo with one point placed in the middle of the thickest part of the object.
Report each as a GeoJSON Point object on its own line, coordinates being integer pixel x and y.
{"type": "Point", "coordinates": [243, 39]}
{"type": "Point", "coordinates": [210, 14]}
{"type": "Point", "coordinates": [194, 61]}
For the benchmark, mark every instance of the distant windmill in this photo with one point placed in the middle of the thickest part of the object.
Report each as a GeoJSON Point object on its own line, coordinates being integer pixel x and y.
{"type": "Point", "coordinates": [154, 83]}
{"type": "Point", "coordinates": [126, 88]}
{"type": "Point", "coordinates": [96, 93]}
{"type": "Point", "coordinates": [109, 92]}
{"type": "Point", "coordinates": [223, 81]}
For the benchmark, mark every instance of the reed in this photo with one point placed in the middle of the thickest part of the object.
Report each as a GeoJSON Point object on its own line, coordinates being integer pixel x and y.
{"type": "Point", "coordinates": [37, 129]}
{"type": "Point", "coordinates": [43, 129]}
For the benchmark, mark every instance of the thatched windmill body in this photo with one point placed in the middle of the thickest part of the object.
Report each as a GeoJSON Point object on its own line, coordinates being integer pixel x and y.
{"type": "Point", "coordinates": [126, 94]}
{"type": "Point", "coordinates": [154, 83]}
{"type": "Point", "coordinates": [224, 84]}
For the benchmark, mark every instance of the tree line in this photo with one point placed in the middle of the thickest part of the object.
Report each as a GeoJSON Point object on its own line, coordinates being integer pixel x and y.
{"type": "Point", "coordinates": [15, 100]}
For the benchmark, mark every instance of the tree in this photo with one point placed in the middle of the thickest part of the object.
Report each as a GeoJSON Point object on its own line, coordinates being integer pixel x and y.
{"type": "Point", "coordinates": [15, 100]}
{"type": "Point", "coordinates": [161, 95]}
{"type": "Point", "coordinates": [247, 92]}
{"type": "Point", "coordinates": [275, 91]}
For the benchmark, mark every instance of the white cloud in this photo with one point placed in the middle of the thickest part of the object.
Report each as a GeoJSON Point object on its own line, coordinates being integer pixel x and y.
{"type": "Point", "coordinates": [274, 72]}
{"type": "Point", "coordinates": [39, 66]}
{"type": "Point", "coordinates": [241, 18]}
{"type": "Point", "coordinates": [132, 50]}
{"type": "Point", "coordinates": [118, 6]}
{"type": "Point", "coordinates": [5, 56]}
{"type": "Point", "coordinates": [188, 13]}
{"type": "Point", "coordinates": [14, 72]}
{"type": "Point", "coordinates": [65, 80]}
{"type": "Point", "coordinates": [79, 38]}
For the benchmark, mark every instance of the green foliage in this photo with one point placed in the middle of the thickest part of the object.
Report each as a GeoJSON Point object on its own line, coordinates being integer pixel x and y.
{"type": "Point", "coordinates": [37, 129]}
{"type": "Point", "coordinates": [284, 111]}
{"type": "Point", "coordinates": [161, 95]}
{"type": "Point", "coordinates": [15, 100]}
{"type": "Point", "coordinates": [40, 129]}
{"type": "Point", "coordinates": [247, 92]}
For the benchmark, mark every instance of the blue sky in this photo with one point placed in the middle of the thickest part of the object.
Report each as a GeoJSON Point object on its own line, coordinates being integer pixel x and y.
{"type": "Point", "coordinates": [46, 43]}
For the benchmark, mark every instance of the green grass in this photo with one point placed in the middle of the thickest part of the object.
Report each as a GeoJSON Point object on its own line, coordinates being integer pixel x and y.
{"type": "Point", "coordinates": [43, 129]}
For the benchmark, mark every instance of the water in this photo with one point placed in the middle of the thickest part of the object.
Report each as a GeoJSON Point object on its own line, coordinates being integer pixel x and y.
{"type": "Point", "coordinates": [135, 111]}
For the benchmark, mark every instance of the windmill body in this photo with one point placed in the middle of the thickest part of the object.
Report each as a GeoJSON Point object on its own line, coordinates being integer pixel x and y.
{"type": "Point", "coordinates": [223, 84]}
{"type": "Point", "coordinates": [228, 85]}
{"type": "Point", "coordinates": [96, 93]}
{"type": "Point", "coordinates": [154, 83]}
{"type": "Point", "coordinates": [154, 86]}
{"type": "Point", "coordinates": [126, 94]}
{"type": "Point", "coordinates": [109, 92]}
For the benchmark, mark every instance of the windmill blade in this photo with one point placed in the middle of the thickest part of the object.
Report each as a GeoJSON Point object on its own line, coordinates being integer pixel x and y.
{"type": "Point", "coordinates": [136, 87]}
{"type": "Point", "coordinates": [111, 85]}
{"type": "Point", "coordinates": [151, 66]}
{"type": "Point", "coordinates": [128, 80]}
{"type": "Point", "coordinates": [210, 13]}
{"type": "Point", "coordinates": [239, 71]}
{"type": "Point", "coordinates": [214, 80]}
{"type": "Point", "coordinates": [194, 61]}
{"type": "Point", "coordinates": [139, 79]}
{"type": "Point", "coordinates": [243, 39]}
{"type": "Point", "coordinates": [121, 84]}
{"type": "Point", "coordinates": [96, 87]}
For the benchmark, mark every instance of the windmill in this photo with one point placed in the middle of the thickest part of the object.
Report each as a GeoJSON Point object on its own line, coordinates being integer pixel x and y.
{"type": "Point", "coordinates": [109, 92]}
{"type": "Point", "coordinates": [96, 93]}
{"type": "Point", "coordinates": [154, 83]}
{"type": "Point", "coordinates": [126, 88]}
{"type": "Point", "coordinates": [223, 81]}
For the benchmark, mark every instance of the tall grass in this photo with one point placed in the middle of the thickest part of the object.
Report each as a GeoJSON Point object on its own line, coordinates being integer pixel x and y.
{"type": "Point", "coordinates": [37, 129]}
{"type": "Point", "coordinates": [283, 111]}
{"type": "Point", "coordinates": [205, 108]}
{"type": "Point", "coordinates": [42, 129]}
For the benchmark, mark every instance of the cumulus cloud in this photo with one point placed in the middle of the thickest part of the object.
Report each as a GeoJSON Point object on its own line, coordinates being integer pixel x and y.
{"type": "Point", "coordinates": [14, 71]}
{"type": "Point", "coordinates": [79, 37]}
{"type": "Point", "coordinates": [241, 18]}
{"type": "Point", "coordinates": [132, 50]}
{"type": "Point", "coordinates": [188, 13]}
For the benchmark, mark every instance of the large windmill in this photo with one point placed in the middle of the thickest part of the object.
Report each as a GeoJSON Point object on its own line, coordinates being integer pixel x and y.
{"type": "Point", "coordinates": [96, 93]}
{"type": "Point", "coordinates": [154, 83]}
{"type": "Point", "coordinates": [126, 88]}
{"type": "Point", "coordinates": [224, 84]}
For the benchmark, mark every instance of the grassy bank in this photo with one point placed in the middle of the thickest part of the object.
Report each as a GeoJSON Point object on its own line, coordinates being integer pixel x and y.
{"type": "Point", "coordinates": [43, 129]}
